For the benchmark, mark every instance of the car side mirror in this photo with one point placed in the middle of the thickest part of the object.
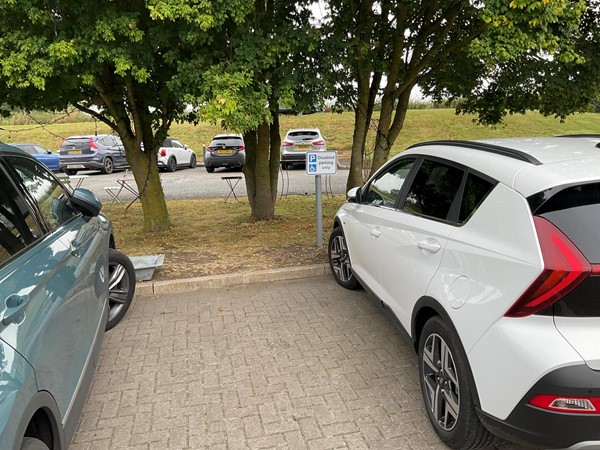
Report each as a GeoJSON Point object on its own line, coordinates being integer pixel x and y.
{"type": "Point", "coordinates": [85, 202]}
{"type": "Point", "coordinates": [354, 195]}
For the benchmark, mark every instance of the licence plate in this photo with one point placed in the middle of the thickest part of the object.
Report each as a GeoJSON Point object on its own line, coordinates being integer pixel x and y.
{"type": "Point", "coordinates": [74, 152]}
{"type": "Point", "coordinates": [224, 152]}
{"type": "Point", "coordinates": [302, 147]}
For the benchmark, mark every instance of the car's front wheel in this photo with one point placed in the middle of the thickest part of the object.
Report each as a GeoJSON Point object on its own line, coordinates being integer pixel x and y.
{"type": "Point", "coordinates": [339, 260]}
{"type": "Point", "coordinates": [447, 389]}
{"type": "Point", "coordinates": [210, 169]}
{"type": "Point", "coordinates": [121, 285]}
{"type": "Point", "coordinates": [193, 161]}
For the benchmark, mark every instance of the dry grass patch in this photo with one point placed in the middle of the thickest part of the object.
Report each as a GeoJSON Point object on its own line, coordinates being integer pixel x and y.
{"type": "Point", "coordinates": [210, 237]}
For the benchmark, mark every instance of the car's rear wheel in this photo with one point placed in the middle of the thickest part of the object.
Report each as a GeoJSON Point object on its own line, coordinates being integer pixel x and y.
{"type": "Point", "coordinates": [193, 161]}
{"type": "Point", "coordinates": [107, 166]}
{"type": "Point", "coordinates": [30, 443]}
{"type": "Point", "coordinates": [71, 171]}
{"type": "Point", "coordinates": [171, 164]}
{"type": "Point", "coordinates": [121, 285]}
{"type": "Point", "coordinates": [447, 389]}
{"type": "Point", "coordinates": [210, 169]}
{"type": "Point", "coordinates": [339, 260]}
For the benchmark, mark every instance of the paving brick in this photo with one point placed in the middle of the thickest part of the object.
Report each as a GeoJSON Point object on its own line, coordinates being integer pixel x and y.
{"type": "Point", "coordinates": [300, 364]}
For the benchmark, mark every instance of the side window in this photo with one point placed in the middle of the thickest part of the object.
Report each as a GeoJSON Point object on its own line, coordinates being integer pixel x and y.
{"type": "Point", "coordinates": [177, 144]}
{"type": "Point", "coordinates": [384, 190]}
{"type": "Point", "coordinates": [434, 189]}
{"type": "Point", "coordinates": [476, 189]}
{"type": "Point", "coordinates": [18, 228]}
{"type": "Point", "coordinates": [53, 201]}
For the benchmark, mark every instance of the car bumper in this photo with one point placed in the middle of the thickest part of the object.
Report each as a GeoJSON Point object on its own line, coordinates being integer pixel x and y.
{"type": "Point", "coordinates": [535, 426]}
{"type": "Point", "coordinates": [80, 163]}
{"type": "Point", "coordinates": [297, 157]}
{"type": "Point", "coordinates": [224, 161]}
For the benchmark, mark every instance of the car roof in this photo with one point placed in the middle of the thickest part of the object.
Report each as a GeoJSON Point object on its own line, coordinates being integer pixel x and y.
{"type": "Point", "coordinates": [7, 149]}
{"type": "Point", "coordinates": [528, 165]}
{"type": "Point", "coordinates": [227, 136]}
{"type": "Point", "coordinates": [300, 130]}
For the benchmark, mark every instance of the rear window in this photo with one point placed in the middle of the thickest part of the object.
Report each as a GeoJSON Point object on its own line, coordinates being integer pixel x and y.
{"type": "Point", "coordinates": [575, 210]}
{"type": "Point", "coordinates": [75, 143]}
{"type": "Point", "coordinates": [298, 135]}
{"type": "Point", "coordinates": [227, 142]}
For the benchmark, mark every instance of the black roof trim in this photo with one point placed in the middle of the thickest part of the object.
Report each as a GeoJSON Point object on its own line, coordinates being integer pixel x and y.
{"type": "Point", "coordinates": [490, 148]}
{"type": "Point", "coordinates": [597, 136]}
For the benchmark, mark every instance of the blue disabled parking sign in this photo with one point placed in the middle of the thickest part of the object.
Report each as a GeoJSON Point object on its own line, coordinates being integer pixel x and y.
{"type": "Point", "coordinates": [321, 163]}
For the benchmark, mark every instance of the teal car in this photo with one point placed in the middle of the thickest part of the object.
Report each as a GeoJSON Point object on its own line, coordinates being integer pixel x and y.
{"type": "Point", "coordinates": [62, 284]}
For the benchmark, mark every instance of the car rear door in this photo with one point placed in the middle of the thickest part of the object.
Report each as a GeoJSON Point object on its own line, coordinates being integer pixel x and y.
{"type": "Point", "coordinates": [53, 283]}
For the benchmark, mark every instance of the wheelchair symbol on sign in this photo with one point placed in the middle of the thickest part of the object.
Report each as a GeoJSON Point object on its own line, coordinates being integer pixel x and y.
{"type": "Point", "coordinates": [312, 159]}
{"type": "Point", "coordinates": [312, 168]}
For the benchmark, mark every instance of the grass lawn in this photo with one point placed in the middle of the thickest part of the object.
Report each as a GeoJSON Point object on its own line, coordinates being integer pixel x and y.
{"type": "Point", "coordinates": [210, 237]}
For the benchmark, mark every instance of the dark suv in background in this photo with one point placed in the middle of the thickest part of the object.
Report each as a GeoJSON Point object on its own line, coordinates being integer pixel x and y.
{"type": "Point", "coordinates": [103, 152]}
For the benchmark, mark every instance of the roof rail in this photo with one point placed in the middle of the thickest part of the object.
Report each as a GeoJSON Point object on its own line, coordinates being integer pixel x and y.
{"type": "Point", "coordinates": [596, 136]}
{"type": "Point", "coordinates": [485, 147]}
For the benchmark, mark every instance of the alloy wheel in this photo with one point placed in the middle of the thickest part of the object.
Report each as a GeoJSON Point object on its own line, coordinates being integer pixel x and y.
{"type": "Point", "coordinates": [340, 260]}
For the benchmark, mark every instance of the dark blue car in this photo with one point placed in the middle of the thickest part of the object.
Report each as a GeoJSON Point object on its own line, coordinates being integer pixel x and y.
{"type": "Point", "coordinates": [62, 284]}
{"type": "Point", "coordinates": [42, 154]}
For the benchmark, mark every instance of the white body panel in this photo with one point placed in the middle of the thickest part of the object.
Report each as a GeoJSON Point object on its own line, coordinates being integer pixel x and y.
{"type": "Point", "coordinates": [583, 333]}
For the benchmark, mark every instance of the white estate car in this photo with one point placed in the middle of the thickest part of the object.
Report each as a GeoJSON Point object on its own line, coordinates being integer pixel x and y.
{"type": "Point", "coordinates": [173, 154]}
{"type": "Point", "coordinates": [488, 253]}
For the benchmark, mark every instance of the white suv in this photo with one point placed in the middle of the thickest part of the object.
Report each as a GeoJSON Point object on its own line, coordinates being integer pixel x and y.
{"type": "Point", "coordinates": [488, 253]}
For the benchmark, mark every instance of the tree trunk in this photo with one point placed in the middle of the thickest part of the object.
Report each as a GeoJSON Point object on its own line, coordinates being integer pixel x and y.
{"type": "Point", "coordinates": [362, 118]}
{"type": "Point", "coordinates": [262, 169]}
{"type": "Point", "coordinates": [144, 167]}
{"type": "Point", "coordinates": [388, 130]}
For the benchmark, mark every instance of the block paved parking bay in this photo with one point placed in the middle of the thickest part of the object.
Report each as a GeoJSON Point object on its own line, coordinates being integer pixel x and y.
{"type": "Point", "coordinates": [300, 364]}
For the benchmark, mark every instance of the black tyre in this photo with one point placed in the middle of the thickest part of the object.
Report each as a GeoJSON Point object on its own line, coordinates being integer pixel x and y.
{"type": "Point", "coordinates": [107, 166]}
{"type": "Point", "coordinates": [171, 164]}
{"type": "Point", "coordinates": [339, 260]}
{"type": "Point", "coordinates": [71, 171]}
{"type": "Point", "coordinates": [447, 388]}
{"type": "Point", "coordinates": [284, 166]}
{"type": "Point", "coordinates": [121, 284]}
{"type": "Point", "coordinates": [30, 443]}
{"type": "Point", "coordinates": [210, 169]}
{"type": "Point", "coordinates": [193, 161]}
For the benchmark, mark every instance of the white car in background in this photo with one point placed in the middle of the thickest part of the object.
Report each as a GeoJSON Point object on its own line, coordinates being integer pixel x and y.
{"type": "Point", "coordinates": [298, 142]}
{"type": "Point", "coordinates": [174, 154]}
{"type": "Point", "coordinates": [488, 254]}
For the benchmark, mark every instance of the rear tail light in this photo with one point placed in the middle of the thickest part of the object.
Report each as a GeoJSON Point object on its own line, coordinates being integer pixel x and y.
{"type": "Point", "coordinates": [566, 404]}
{"type": "Point", "coordinates": [61, 144]}
{"type": "Point", "coordinates": [319, 142]}
{"type": "Point", "coordinates": [209, 149]}
{"type": "Point", "coordinates": [287, 143]}
{"type": "Point", "coordinates": [565, 268]}
{"type": "Point", "coordinates": [241, 148]}
{"type": "Point", "coordinates": [163, 152]}
{"type": "Point", "coordinates": [93, 146]}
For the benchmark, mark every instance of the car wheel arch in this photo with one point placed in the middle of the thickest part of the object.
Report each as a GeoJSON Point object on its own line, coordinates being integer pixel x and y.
{"type": "Point", "coordinates": [426, 308]}
{"type": "Point", "coordinates": [41, 420]}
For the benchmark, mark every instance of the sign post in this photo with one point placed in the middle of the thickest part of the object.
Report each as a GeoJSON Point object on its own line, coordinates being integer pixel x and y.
{"type": "Point", "coordinates": [317, 164]}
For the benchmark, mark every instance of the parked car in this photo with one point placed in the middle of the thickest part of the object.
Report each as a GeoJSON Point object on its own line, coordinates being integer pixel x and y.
{"type": "Point", "coordinates": [62, 285]}
{"type": "Point", "coordinates": [298, 142]}
{"type": "Point", "coordinates": [42, 154]}
{"type": "Point", "coordinates": [225, 150]}
{"type": "Point", "coordinates": [173, 154]}
{"type": "Point", "coordinates": [103, 152]}
{"type": "Point", "coordinates": [488, 254]}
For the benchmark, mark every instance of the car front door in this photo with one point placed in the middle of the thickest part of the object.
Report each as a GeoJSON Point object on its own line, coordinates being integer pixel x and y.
{"type": "Point", "coordinates": [53, 284]}
{"type": "Point", "coordinates": [412, 239]}
{"type": "Point", "coordinates": [365, 219]}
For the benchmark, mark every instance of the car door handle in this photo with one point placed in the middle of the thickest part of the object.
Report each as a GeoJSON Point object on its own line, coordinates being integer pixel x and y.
{"type": "Point", "coordinates": [430, 245]}
{"type": "Point", "coordinates": [14, 308]}
{"type": "Point", "coordinates": [375, 232]}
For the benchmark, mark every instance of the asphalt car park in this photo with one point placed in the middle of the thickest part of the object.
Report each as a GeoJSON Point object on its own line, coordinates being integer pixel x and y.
{"type": "Point", "coordinates": [300, 364]}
